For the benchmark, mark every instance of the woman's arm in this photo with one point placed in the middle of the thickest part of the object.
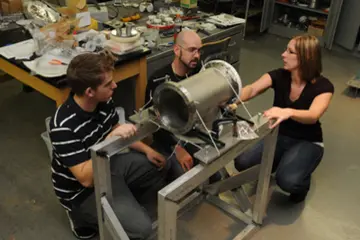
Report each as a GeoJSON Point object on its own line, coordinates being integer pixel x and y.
{"type": "Point", "coordinates": [310, 116]}
{"type": "Point", "coordinates": [256, 88]}
{"type": "Point", "coordinates": [250, 91]}
{"type": "Point", "coordinates": [316, 110]}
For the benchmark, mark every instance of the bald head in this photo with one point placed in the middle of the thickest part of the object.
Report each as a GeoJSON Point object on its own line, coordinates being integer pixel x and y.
{"type": "Point", "coordinates": [187, 49]}
{"type": "Point", "coordinates": [187, 38]}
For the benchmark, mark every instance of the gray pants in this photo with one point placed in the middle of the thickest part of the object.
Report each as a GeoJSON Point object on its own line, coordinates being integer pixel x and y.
{"type": "Point", "coordinates": [135, 183]}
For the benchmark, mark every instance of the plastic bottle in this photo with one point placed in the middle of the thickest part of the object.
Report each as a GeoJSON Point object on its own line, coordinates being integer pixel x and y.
{"type": "Point", "coordinates": [178, 26]}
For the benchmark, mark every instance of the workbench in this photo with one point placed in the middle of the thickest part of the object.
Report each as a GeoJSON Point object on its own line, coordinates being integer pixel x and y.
{"type": "Point", "coordinates": [124, 70]}
{"type": "Point", "coordinates": [141, 68]}
{"type": "Point", "coordinates": [160, 57]}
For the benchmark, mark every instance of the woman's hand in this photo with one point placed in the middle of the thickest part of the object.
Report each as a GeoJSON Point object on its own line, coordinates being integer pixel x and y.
{"type": "Point", "coordinates": [276, 115]}
{"type": "Point", "coordinates": [232, 107]}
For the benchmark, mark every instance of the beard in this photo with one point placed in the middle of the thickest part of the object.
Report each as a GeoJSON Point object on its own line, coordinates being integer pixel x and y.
{"type": "Point", "coordinates": [191, 64]}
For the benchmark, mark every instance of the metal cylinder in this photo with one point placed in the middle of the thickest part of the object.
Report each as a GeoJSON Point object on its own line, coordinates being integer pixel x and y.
{"type": "Point", "coordinates": [178, 103]}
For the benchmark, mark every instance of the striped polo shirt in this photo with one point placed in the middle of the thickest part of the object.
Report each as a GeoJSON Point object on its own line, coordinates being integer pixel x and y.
{"type": "Point", "coordinates": [72, 132]}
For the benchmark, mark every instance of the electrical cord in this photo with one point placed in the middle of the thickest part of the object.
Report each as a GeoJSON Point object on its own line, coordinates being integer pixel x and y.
{"type": "Point", "coordinates": [114, 9]}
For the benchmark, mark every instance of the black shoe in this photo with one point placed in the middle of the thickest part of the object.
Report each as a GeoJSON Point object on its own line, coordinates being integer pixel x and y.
{"type": "Point", "coordinates": [84, 232]}
{"type": "Point", "coordinates": [297, 197]}
{"type": "Point", "coordinates": [215, 178]}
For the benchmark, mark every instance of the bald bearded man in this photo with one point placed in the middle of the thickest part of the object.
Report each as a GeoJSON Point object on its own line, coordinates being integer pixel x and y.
{"type": "Point", "coordinates": [186, 63]}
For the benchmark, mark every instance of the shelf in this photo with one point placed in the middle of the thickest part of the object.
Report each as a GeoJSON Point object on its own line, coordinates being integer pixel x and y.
{"type": "Point", "coordinates": [252, 12]}
{"type": "Point", "coordinates": [288, 32]}
{"type": "Point", "coordinates": [284, 31]}
{"type": "Point", "coordinates": [303, 8]}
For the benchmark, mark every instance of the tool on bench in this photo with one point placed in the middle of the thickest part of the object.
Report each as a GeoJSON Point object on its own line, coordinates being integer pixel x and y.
{"type": "Point", "coordinates": [205, 137]}
{"type": "Point", "coordinates": [130, 18]}
{"type": "Point", "coordinates": [217, 123]}
{"type": "Point", "coordinates": [57, 62]}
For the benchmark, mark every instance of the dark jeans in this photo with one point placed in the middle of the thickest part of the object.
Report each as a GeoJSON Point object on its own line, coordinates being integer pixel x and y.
{"type": "Point", "coordinates": [135, 183]}
{"type": "Point", "coordinates": [294, 162]}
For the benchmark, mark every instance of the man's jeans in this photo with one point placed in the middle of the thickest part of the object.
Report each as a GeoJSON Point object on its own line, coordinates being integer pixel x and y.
{"type": "Point", "coordinates": [294, 162]}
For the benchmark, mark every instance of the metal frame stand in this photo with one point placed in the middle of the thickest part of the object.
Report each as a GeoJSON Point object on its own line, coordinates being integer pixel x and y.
{"type": "Point", "coordinates": [109, 225]}
{"type": "Point", "coordinates": [192, 186]}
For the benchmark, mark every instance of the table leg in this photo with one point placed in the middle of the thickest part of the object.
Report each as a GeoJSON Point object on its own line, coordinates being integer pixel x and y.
{"type": "Point", "coordinates": [62, 96]}
{"type": "Point", "coordinates": [140, 85]}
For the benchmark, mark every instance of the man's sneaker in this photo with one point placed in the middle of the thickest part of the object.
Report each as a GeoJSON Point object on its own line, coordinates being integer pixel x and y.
{"type": "Point", "coordinates": [84, 232]}
{"type": "Point", "coordinates": [297, 197]}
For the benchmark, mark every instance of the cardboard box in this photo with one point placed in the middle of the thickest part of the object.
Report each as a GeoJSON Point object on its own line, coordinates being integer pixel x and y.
{"type": "Point", "coordinates": [316, 31]}
{"type": "Point", "coordinates": [11, 6]}
{"type": "Point", "coordinates": [188, 3]}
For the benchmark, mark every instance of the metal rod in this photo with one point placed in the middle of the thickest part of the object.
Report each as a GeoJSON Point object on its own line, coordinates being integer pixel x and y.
{"type": "Point", "coordinates": [233, 182]}
{"type": "Point", "coordinates": [232, 210]}
{"type": "Point", "coordinates": [243, 200]}
{"type": "Point", "coordinates": [112, 222]}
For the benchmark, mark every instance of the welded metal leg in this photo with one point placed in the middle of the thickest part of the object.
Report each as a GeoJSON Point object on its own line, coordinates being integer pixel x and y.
{"type": "Point", "coordinates": [109, 225]}
{"type": "Point", "coordinates": [102, 180]}
{"type": "Point", "coordinates": [234, 182]}
{"type": "Point", "coordinates": [242, 199]}
{"type": "Point", "coordinates": [264, 177]}
{"type": "Point", "coordinates": [238, 194]}
{"type": "Point", "coordinates": [113, 228]}
{"type": "Point", "coordinates": [167, 217]}
{"type": "Point", "coordinates": [234, 211]}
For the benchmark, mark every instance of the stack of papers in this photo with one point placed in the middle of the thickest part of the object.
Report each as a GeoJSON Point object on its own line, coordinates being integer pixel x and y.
{"type": "Point", "coordinates": [20, 50]}
{"type": "Point", "coordinates": [225, 20]}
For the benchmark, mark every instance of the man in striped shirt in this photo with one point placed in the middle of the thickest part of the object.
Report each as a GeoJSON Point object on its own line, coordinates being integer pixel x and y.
{"type": "Point", "coordinates": [85, 119]}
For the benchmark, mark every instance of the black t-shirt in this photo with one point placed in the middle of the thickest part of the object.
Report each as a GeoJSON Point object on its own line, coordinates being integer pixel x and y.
{"type": "Point", "coordinates": [281, 83]}
{"type": "Point", "coordinates": [162, 137]}
{"type": "Point", "coordinates": [155, 79]}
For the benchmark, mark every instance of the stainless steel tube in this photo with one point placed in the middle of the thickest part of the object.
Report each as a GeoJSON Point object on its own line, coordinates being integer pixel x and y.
{"type": "Point", "coordinates": [177, 103]}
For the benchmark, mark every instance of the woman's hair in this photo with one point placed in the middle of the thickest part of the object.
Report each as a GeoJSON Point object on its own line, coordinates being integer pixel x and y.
{"type": "Point", "coordinates": [88, 69]}
{"type": "Point", "coordinates": [308, 50]}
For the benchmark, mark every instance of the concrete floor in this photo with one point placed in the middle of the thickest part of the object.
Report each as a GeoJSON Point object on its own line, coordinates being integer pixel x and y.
{"type": "Point", "coordinates": [29, 209]}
